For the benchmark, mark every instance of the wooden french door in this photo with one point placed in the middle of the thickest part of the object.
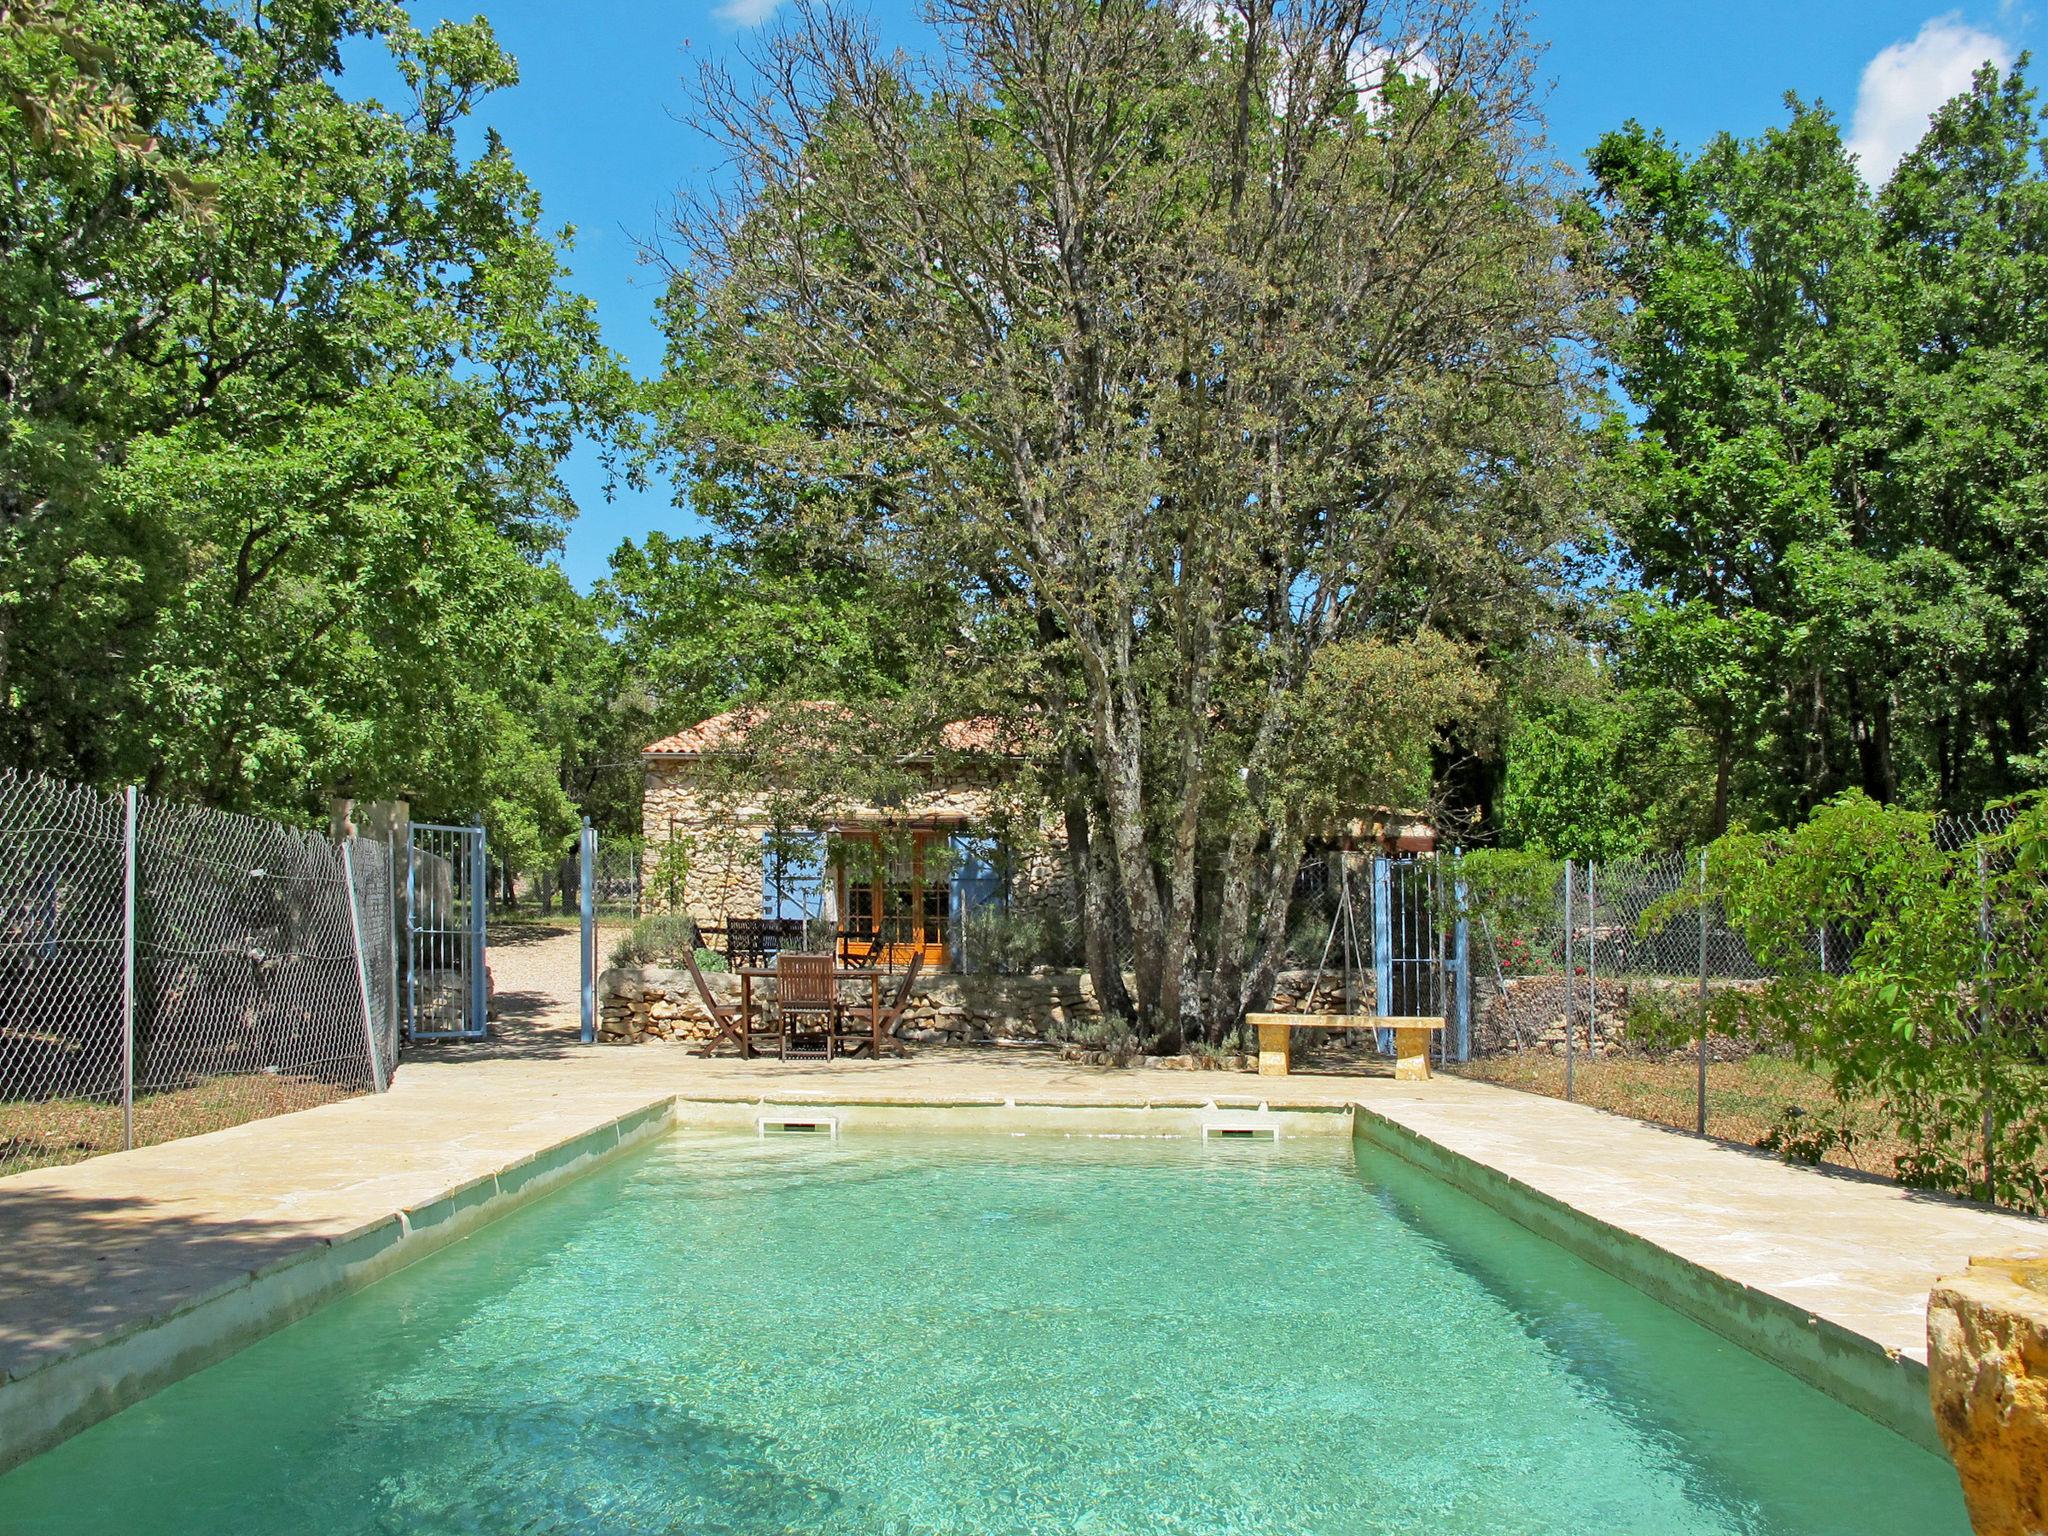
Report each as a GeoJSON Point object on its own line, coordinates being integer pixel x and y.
{"type": "Point", "coordinates": [891, 911]}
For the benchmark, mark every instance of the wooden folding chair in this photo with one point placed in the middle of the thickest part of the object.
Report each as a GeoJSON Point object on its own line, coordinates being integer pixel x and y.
{"type": "Point", "coordinates": [727, 1021]}
{"type": "Point", "coordinates": [807, 998]}
{"type": "Point", "coordinates": [893, 1010]}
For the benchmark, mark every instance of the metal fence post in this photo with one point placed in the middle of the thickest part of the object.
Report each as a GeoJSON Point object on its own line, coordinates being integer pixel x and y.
{"type": "Point", "coordinates": [1988, 1123]}
{"type": "Point", "coordinates": [587, 906]}
{"type": "Point", "coordinates": [411, 938]}
{"type": "Point", "coordinates": [1700, 1106]}
{"type": "Point", "coordinates": [1461, 958]}
{"type": "Point", "coordinates": [1592, 962]}
{"type": "Point", "coordinates": [393, 889]}
{"type": "Point", "coordinates": [129, 809]}
{"type": "Point", "coordinates": [355, 933]}
{"type": "Point", "coordinates": [1382, 951]}
{"type": "Point", "coordinates": [1570, 1058]}
{"type": "Point", "coordinates": [479, 916]}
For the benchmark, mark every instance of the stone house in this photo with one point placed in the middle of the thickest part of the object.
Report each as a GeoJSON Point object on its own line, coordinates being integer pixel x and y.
{"type": "Point", "coordinates": [960, 841]}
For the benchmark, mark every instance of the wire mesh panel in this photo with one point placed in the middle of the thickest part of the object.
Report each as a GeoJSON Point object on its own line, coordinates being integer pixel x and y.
{"type": "Point", "coordinates": [445, 910]}
{"type": "Point", "coordinates": [616, 874]}
{"type": "Point", "coordinates": [371, 862]}
{"type": "Point", "coordinates": [61, 877]}
{"type": "Point", "coordinates": [247, 993]}
{"type": "Point", "coordinates": [247, 998]}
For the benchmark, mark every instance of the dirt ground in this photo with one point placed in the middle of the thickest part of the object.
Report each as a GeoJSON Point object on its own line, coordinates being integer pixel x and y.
{"type": "Point", "coordinates": [1745, 1099]}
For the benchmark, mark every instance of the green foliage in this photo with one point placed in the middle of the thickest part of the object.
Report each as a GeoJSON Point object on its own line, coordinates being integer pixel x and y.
{"type": "Point", "coordinates": [1511, 895]}
{"type": "Point", "coordinates": [1833, 500]}
{"type": "Point", "coordinates": [1567, 790]}
{"type": "Point", "coordinates": [668, 882]}
{"type": "Point", "coordinates": [755, 615]}
{"type": "Point", "coordinates": [1006, 942]}
{"type": "Point", "coordinates": [287, 379]}
{"type": "Point", "coordinates": [1933, 996]}
{"type": "Point", "coordinates": [661, 939]}
{"type": "Point", "coordinates": [1661, 1020]}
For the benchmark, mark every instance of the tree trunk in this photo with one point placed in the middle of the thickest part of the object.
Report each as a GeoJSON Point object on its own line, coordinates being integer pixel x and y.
{"type": "Point", "coordinates": [1094, 882]}
{"type": "Point", "coordinates": [1156, 941]}
{"type": "Point", "coordinates": [1283, 864]}
{"type": "Point", "coordinates": [1233, 927]}
{"type": "Point", "coordinates": [1870, 728]}
{"type": "Point", "coordinates": [1261, 881]}
{"type": "Point", "coordinates": [1724, 768]}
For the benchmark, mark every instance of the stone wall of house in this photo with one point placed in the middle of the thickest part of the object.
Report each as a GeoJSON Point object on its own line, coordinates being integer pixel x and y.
{"type": "Point", "coordinates": [721, 838]}
{"type": "Point", "coordinates": [722, 833]}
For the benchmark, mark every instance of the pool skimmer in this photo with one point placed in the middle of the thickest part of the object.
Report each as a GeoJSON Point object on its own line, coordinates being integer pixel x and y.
{"type": "Point", "coordinates": [1243, 1128]}
{"type": "Point", "coordinates": [796, 1122]}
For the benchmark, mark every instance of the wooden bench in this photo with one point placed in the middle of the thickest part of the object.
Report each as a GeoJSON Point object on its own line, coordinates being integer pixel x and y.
{"type": "Point", "coordinates": [1411, 1038]}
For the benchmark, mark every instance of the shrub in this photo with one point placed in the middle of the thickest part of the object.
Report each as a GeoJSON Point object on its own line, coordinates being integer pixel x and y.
{"type": "Point", "coordinates": [1514, 895]}
{"type": "Point", "coordinates": [663, 937]}
{"type": "Point", "coordinates": [1934, 985]}
{"type": "Point", "coordinates": [1001, 942]}
{"type": "Point", "coordinates": [1660, 1020]}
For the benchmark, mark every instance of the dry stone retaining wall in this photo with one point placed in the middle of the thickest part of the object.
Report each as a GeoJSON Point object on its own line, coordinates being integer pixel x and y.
{"type": "Point", "coordinates": [636, 1001]}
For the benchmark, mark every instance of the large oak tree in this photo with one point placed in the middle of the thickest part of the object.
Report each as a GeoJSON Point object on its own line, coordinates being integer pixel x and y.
{"type": "Point", "coordinates": [1214, 351]}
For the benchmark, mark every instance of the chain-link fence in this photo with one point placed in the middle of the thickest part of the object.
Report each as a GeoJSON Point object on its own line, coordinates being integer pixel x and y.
{"type": "Point", "coordinates": [618, 873]}
{"type": "Point", "coordinates": [1590, 981]}
{"type": "Point", "coordinates": [1599, 982]}
{"type": "Point", "coordinates": [167, 970]}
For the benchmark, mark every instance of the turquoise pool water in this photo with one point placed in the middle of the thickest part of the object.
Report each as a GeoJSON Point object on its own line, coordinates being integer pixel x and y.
{"type": "Point", "coordinates": [990, 1335]}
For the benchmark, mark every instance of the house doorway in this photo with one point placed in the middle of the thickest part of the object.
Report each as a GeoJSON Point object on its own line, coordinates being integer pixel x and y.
{"type": "Point", "coordinates": [895, 896]}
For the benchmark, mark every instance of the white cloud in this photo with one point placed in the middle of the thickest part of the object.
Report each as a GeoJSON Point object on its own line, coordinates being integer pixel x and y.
{"type": "Point", "coordinates": [747, 13]}
{"type": "Point", "coordinates": [1903, 85]}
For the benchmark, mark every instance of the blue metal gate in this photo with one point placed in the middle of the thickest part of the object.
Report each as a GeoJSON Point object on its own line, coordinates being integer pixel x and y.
{"type": "Point", "coordinates": [446, 898]}
{"type": "Point", "coordinates": [1422, 949]}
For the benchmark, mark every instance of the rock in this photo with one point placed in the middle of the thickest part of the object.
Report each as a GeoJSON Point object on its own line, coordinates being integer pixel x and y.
{"type": "Point", "coordinates": [1987, 1345]}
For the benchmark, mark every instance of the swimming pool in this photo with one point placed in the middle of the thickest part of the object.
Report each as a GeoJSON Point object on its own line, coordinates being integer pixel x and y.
{"type": "Point", "coordinates": [940, 1334]}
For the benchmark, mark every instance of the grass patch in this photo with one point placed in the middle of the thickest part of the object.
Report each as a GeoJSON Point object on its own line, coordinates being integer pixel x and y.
{"type": "Point", "coordinates": [48, 1133]}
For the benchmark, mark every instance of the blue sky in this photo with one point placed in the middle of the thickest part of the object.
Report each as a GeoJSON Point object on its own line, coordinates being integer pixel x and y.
{"type": "Point", "coordinates": [599, 121]}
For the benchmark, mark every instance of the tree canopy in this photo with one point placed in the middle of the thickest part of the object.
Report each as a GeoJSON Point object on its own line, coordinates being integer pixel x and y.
{"type": "Point", "coordinates": [1833, 498]}
{"type": "Point", "coordinates": [1210, 384]}
{"type": "Point", "coordinates": [285, 379]}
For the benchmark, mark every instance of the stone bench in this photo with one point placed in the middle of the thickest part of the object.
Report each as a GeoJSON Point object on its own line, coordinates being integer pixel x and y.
{"type": "Point", "coordinates": [1411, 1038]}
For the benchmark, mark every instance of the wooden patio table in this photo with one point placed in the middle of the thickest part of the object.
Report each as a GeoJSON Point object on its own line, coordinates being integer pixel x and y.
{"type": "Point", "coordinates": [749, 973]}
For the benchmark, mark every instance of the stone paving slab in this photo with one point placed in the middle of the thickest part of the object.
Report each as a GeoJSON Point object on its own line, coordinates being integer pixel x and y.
{"type": "Point", "coordinates": [91, 1250]}
{"type": "Point", "coordinates": [1847, 1246]}
{"type": "Point", "coordinates": [1824, 1272]}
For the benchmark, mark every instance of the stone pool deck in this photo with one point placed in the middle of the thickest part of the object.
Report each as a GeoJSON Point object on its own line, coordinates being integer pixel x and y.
{"type": "Point", "coordinates": [125, 1272]}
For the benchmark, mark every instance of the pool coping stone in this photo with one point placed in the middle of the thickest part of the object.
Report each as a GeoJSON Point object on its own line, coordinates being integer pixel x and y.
{"type": "Point", "coordinates": [58, 1396]}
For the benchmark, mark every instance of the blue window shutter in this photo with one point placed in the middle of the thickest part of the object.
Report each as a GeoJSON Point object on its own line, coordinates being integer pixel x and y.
{"type": "Point", "coordinates": [977, 874]}
{"type": "Point", "coordinates": [792, 874]}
